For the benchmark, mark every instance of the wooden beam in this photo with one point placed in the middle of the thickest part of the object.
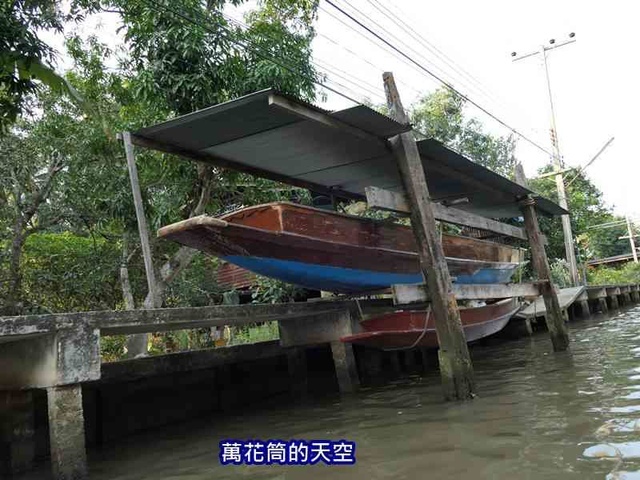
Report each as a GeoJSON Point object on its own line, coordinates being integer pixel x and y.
{"type": "Point", "coordinates": [397, 202]}
{"type": "Point", "coordinates": [406, 294]}
{"type": "Point", "coordinates": [143, 229]}
{"type": "Point", "coordinates": [307, 113]}
{"type": "Point", "coordinates": [456, 370]}
{"type": "Point", "coordinates": [540, 262]}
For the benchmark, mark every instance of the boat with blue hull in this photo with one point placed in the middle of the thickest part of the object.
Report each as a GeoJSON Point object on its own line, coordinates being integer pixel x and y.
{"type": "Point", "coordinates": [325, 250]}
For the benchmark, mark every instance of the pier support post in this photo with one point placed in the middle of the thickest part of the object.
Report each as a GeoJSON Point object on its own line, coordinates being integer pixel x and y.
{"type": "Point", "coordinates": [627, 298]}
{"type": "Point", "coordinates": [66, 433]}
{"type": "Point", "coordinates": [17, 431]}
{"type": "Point", "coordinates": [370, 361]}
{"type": "Point", "coordinates": [554, 316]}
{"type": "Point", "coordinates": [635, 296]}
{"type": "Point", "coordinates": [583, 305]}
{"type": "Point", "coordinates": [456, 369]}
{"type": "Point", "coordinates": [613, 302]}
{"type": "Point", "coordinates": [345, 364]}
{"type": "Point", "coordinates": [602, 302]}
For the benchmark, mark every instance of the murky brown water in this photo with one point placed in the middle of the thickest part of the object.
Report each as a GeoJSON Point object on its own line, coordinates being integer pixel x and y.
{"type": "Point", "coordinates": [536, 415]}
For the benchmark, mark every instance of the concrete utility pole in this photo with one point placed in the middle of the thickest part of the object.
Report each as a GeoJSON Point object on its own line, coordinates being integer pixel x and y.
{"type": "Point", "coordinates": [632, 240]}
{"type": "Point", "coordinates": [562, 196]}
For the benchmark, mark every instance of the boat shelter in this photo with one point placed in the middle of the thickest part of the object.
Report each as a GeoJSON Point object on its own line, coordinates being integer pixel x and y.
{"type": "Point", "coordinates": [360, 154]}
{"type": "Point", "coordinates": [337, 153]}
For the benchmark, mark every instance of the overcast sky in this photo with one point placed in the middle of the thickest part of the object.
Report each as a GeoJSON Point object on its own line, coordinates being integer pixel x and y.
{"type": "Point", "coordinates": [469, 42]}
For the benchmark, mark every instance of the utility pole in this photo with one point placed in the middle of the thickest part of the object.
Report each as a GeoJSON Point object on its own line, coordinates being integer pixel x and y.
{"type": "Point", "coordinates": [632, 240]}
{"type": "Point", "coordinates": [562, 196]}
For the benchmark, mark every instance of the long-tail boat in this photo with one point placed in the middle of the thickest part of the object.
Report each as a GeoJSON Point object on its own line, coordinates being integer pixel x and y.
{"type": "Point", "coordinates": [405, 329]}
{"type": "Point", "coordinates": [325, 250]}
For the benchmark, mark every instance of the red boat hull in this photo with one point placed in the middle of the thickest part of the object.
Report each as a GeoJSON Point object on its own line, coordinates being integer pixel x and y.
{"type": "Point", "coordinates": [413, 328]}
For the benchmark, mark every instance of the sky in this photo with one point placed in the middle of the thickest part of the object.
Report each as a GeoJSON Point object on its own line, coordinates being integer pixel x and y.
{"type": "Point", "coordinates": [468, 44]}
{"type": "Point", "coordinates": [594, 80]}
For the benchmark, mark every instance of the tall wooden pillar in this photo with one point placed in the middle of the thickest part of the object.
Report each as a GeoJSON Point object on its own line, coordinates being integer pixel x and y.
{"type": "Point", "coordinates": [554, 317]}
{"type": "Point", "coordinates": [456, 369]}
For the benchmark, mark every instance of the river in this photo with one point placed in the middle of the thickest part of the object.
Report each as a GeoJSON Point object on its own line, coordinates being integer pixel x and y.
{"type": "Point", "coordinates": [538, 415]}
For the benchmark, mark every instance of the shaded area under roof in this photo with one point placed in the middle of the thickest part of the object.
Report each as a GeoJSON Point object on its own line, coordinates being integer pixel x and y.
{"type": "Point", "coordinates": [278, 137]}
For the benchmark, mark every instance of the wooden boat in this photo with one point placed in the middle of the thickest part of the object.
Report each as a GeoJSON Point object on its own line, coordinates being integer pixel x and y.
{"type": "Point", "coordinates": [413, 328]}
{"type": "Point", "coordinates": [324, 250]}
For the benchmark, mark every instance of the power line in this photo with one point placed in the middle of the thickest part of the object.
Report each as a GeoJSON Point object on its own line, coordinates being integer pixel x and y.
{"type": "Point", "coordinates": [479, 85]}
{"type": "Point", "coordinates": [475, 84]}
{"type": "Point", "coordinates": [439, 79]}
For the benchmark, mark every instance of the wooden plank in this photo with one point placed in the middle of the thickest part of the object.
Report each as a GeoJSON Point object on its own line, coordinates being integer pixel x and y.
{"type": "Point", "coordinates": [407, 294]}
{"type": "Point", "coordinates": [397, 202]}
{"type": "Point", "coordinates": [456, 370]}
{"type": "Point", "coordinates": [566, 298]}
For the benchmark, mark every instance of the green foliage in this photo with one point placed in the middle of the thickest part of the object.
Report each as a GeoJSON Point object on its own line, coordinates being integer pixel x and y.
{"type": "Point", "coordinates": [189, 56]}
{"type": "Point", "coordinates": [269, 290]}
{"type": "Point", "coordinates": [628, 273]}
{"type": "Point", "coordinates": [112, 347]}
{"type": "Point", "coordinates": [25, 60]}
{"type": "Point", "coordinates": [440, 115]}
{"type": "Point", "coordinates": [64, 272]}
{"type": "Point", "coordinates": [255, 333]}
{"type": "Point", "coordinates": [560, 273]}
{"type": "Point", "coordinates": [588, 209]}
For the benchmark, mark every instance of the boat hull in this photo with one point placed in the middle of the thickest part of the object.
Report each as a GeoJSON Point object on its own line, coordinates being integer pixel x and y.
{"type": "Point", "coordinates": [353, 280]}
{"type": "Point", "coordinates": [324, 250]}
{"type": "Point", "coordinates": [407, 328]}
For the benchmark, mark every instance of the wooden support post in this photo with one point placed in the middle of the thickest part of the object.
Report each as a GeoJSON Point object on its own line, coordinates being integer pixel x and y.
{"type": "Point", "coordinates": [370, 361]}
{"type": "Point", "coordinates": [137, 344]}
{"type": "Point", "coordinates": [627, 298]}
{"type": "Point", "coordinates": [424, 354]}
{"type": "Point", "coordinates": [66, 433]}
{"type": "Point", "coordinates": [613, 302]}
{"type": "Point", "coordinates": [602, 302]}
{"type": "Point", "coordinates": [410, 364]}
{"type": "Point", "coordinates": [584, 308]}
{"type": "Point", "coordinates": [297, 360]}
{"type": "Point", "coordinates": [345, 365]}
{"type": "Point", "coordinates": [17, 432]}
{"type": "Point", "coordinates": [635, 296]}
{"type": "Point", "coordinates": [554, 317]}
{"type": "Point", "coordinates": [456, 369]}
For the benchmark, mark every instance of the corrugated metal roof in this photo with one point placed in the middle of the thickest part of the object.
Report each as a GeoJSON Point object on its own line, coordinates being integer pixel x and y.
{"type": "Point", "coordinates": [279, 137]}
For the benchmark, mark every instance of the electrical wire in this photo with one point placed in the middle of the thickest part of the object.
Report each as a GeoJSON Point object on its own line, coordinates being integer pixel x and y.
{"type": "Point", "coordinates": [439, 79]}
{"type": "Point", "coordinates": [480, 86]}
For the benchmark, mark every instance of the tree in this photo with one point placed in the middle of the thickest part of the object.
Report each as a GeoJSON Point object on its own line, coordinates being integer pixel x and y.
{"type": "Point", "coordinates": [587, 208]}
{"type": "Point", "coordinates": [440, 115]}
{"type": "Point", "coordinates": [25, 60]}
